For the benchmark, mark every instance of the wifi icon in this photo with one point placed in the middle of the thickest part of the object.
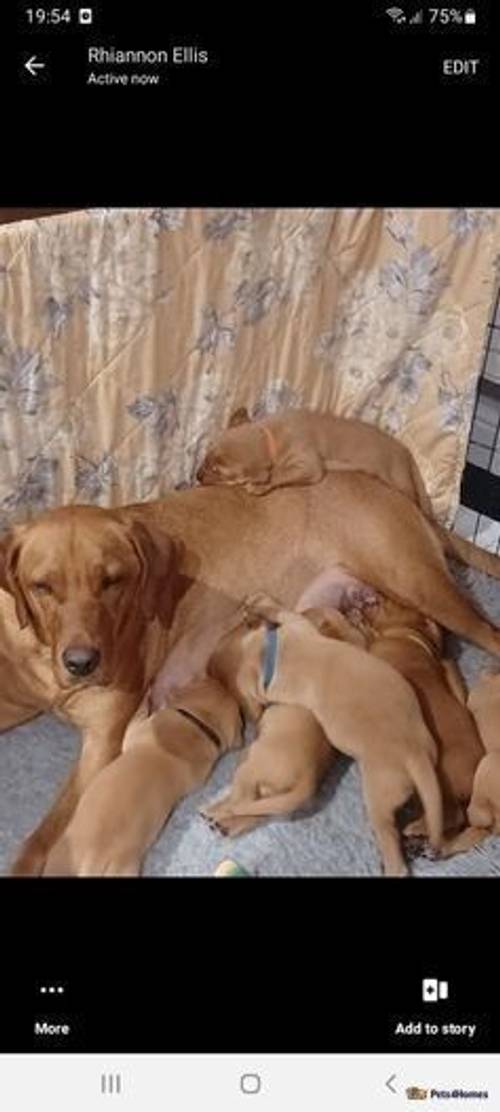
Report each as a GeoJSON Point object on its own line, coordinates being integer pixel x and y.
{"type": "Point", "coordinates": [397, 14]}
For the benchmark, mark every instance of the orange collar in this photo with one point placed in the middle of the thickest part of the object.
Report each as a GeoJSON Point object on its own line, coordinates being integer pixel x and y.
{"type": "Point", "coordinates": [271, 443]}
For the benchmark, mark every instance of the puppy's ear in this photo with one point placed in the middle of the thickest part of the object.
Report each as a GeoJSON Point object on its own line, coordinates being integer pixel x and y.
{"type": "Point", "coordinates": [239, 417]}
{"type": "Point", "coordinates": [10, 547]}
{"type": "Point", "coordinates": [253, 620]}
{"type": "Point", "coordinates": [158, 556]}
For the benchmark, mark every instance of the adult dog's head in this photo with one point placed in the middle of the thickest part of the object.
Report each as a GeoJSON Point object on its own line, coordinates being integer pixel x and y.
{"type": "Point", "coordinates": [87, 580]}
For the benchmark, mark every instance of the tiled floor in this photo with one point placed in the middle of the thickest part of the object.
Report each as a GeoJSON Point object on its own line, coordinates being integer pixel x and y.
{"type": "Point", "coordinates": [478, 527]}
{"type": "Point", "coordinates": [484, 444]}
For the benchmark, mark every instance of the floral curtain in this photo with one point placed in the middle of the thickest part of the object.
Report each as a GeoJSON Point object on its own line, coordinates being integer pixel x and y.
{"type": "Point", "coordinates": [127, 338]}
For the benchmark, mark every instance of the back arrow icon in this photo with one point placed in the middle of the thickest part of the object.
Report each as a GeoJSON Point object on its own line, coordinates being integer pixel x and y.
{"type": "Point", "coordinates": [389, 1083]}
{"type": "Point", "coordinates": [32, 65]}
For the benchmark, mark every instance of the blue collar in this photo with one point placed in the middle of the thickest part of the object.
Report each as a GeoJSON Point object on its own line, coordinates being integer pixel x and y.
{"type": "Point", "coordinates": [270, 654]}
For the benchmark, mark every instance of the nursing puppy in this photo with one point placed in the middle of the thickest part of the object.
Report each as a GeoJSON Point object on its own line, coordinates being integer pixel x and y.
{"type": "Point", "coordinates": [484, 809]}
{"type": "Point", "coordinates": [283, 768]}
{"type": "Point", "coordinates": [413, 644]}
{"type": "Point", "coordinates": [300, 446]}
{"type": "Point", "coordinates": [366, 709]}
{"type": "Point", "coordinates": [94, 602]}
{"type": "Point", "coordinates": [164, 757]}
{"type": "Point", "coordinates": [280, 772]}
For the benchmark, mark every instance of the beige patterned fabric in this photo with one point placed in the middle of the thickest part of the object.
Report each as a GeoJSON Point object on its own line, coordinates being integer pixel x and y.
{"type": "Point", "coordinates": [127, 338]}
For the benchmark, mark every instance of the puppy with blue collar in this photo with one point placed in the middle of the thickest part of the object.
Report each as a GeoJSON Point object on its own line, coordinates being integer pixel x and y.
{"type": "Point", "coordinates": [365, 708]}
{"type": "Point", "coordinates": [282, 770]}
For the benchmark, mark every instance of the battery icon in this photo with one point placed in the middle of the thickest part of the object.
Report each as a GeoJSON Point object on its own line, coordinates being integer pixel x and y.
{"type": "Point", "coordinates": [469, 16]}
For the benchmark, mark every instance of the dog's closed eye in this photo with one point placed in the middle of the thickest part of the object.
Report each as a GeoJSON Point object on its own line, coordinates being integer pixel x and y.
{"type": "Point", "coordinates": [109, 581]}
{"type": "Point", "coordinates": [41, 588]}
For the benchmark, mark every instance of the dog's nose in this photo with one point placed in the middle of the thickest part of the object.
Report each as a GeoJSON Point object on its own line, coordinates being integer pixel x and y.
{"type": "Point", "coordinates": [81, 661]}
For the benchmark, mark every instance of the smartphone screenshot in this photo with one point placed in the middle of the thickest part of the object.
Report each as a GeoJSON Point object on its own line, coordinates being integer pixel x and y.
{"type": "Point", "coordinates": [249, 557]}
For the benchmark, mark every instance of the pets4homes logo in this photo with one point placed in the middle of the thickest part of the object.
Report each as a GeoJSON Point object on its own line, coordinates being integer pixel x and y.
{"type": "Point", "coordinates": [417, 1093]}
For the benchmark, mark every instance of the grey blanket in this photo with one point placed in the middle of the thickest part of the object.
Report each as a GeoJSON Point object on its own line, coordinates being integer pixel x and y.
{"type": "Point", "coordinates": [331, 838]}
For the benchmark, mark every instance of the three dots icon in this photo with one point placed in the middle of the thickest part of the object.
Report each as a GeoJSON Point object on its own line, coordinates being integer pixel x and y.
{"type": "Point", "coordinates": [51, 989]}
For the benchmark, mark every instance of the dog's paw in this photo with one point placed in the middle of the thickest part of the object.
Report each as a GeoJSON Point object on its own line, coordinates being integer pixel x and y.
{"type": "Point", "coordinates": [31, 859]}
{"type": "Point", "coordinates": [215, 824]}
{"type": "Point", "coordinates": [258, 488]}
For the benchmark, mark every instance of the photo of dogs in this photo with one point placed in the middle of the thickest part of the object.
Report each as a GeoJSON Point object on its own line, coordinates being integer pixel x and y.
{"type": "Point", "coordinates": [293, 598]}
{"type": "Point", "coordinates": [59, 609]}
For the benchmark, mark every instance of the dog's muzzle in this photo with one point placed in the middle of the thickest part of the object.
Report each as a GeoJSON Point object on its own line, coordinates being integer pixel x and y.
{"type": "Point", "coordinates": [80, 661]}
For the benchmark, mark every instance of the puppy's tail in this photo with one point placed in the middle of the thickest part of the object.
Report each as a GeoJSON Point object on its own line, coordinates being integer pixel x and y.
{"type": "Point", "coordinates": [424, 777]}
{"type": "Point", "coordinates": [457, 547]}
{"type": "Point", "coordinates": [468, 553]}
{"type": "Point", "coordinates": [423, 500]}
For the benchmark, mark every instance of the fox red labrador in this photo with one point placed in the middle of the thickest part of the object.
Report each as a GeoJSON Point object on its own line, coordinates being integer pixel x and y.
{"type": "Point", "coordinates": [95, 600]}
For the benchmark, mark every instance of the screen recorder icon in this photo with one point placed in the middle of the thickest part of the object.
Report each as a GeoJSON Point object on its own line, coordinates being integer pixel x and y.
{"type": "Point", "coordinates": [434, 990]}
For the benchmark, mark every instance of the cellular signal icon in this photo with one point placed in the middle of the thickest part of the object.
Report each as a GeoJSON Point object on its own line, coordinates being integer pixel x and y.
{"type": "Point", "coordinates": [397, 14]}
{"type": "Point", "coordinates": [418, 17]}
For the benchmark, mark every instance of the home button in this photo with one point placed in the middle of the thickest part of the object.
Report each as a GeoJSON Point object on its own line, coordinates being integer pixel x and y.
{"type": "Point", "coordinates": [250, 1083]}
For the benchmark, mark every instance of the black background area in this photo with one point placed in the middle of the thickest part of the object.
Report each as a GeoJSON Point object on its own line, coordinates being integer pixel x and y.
{"type": "Point", "coordinates": [339, 107]}
{"type": "Point", "coordinates": [264, 965]}
{"type": "Point", "coordinates": [314, 109]}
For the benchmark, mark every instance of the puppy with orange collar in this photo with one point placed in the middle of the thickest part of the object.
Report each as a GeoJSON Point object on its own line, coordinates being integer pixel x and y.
{"type": "Point", "coordinates": [366, 709]}
{"type": "Point", "coordinates": [300, 446]}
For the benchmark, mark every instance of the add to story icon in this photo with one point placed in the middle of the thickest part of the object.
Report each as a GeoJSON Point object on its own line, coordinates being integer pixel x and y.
{"type": "Point", "coordinates": [433, 990]}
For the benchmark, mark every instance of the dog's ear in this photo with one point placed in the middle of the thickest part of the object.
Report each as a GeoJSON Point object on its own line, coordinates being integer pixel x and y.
{"type": "Point", "coordinates": [158, 556]}
{"type": "Point", "coordinates": [10, 547]}
{"type": "Point", "coordinates": [239, 417]}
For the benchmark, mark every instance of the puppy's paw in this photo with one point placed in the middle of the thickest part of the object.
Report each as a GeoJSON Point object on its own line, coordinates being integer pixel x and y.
{"type": "Point", "coordinates": [416, 829]}
{"type": "Point", "coordinates": [414, 848]}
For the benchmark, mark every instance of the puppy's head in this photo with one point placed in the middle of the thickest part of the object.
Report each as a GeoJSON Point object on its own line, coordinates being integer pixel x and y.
{"type": "Point", "coordinates": [241, 455]}
{"type": "Point", "coordinates": [81, 577]}
{"type": "Point", "coordinates": [388, 614]}
{"type": "Point", "coordinates": [236, 662]}
{"type": "Point", "coordinates": [214, 705]}
{"type": "Point", "coordinates": [331, 623]}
